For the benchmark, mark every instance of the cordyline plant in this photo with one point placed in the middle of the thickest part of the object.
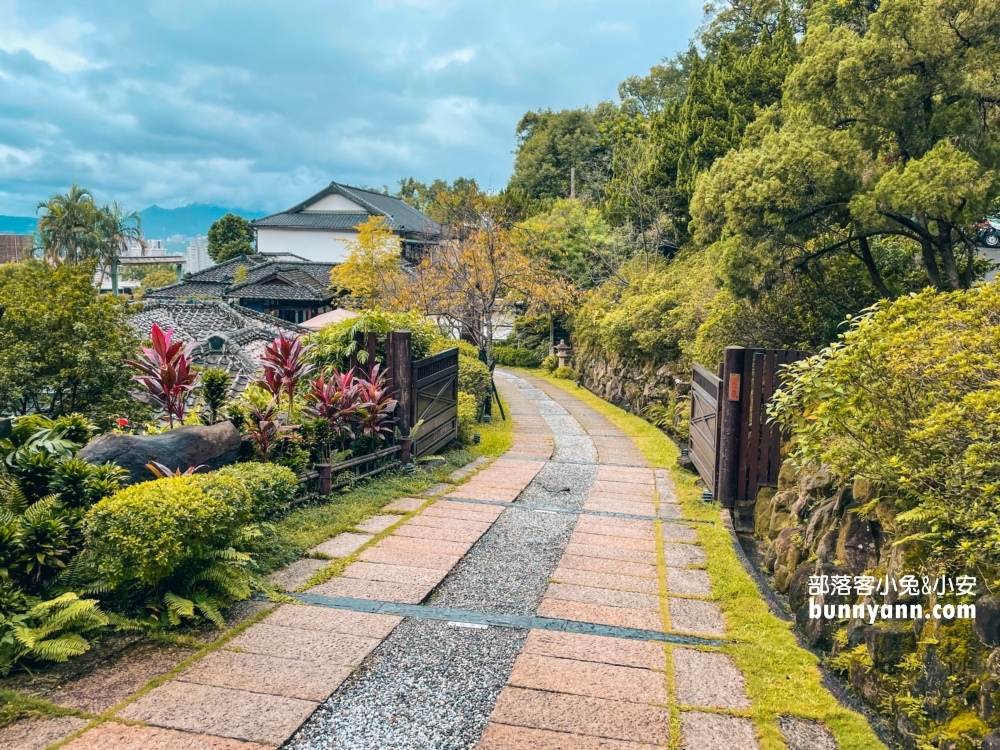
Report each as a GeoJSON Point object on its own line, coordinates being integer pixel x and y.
{"type": "Point", "coordinates": [165, 373]}
{"type": "Point", "coordinates": [335, 400]}
{"type": "Point", "coordinates": [284, 366]}
{"type": "Point", "coordinates": [376, 405]}
{"type": "Point", "coordinates": [268, 428]}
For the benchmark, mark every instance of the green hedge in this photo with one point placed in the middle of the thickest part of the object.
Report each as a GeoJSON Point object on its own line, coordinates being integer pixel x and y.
{"type": "Point", "coordinates": [474, 378]}
{"type": "Point", "coordinates": [508, 356]}
{"type": "Point", "coordinates": [271, 487]}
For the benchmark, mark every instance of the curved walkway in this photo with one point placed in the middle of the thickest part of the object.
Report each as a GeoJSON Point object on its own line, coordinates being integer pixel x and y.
{"type": "Point", "coordinates": [553, 600]}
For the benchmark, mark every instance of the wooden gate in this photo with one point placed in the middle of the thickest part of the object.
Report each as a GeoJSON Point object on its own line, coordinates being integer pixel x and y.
{"type": "Point", "coordinates": [747, 454]}
{"type": "Point", "coordinates": [434, 399]}
{"type": "Point", "coordinates": [706, 391]}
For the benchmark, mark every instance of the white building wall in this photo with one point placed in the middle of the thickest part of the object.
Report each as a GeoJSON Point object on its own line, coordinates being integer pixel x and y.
{"type": "Point", "coordinates": [322, 246]}
{"type": "Point", "coordinates": [334, 202]}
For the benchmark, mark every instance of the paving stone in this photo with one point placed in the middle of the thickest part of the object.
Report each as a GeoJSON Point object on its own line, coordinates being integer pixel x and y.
{"type": "Point", "coordinates": [611, 553]}
{"type": "Point", "coordinates": [375, 524]}
{"type": "Point", "coordinates": [626, 489]}
{"type": "Point", "coordinates": [467, 513]}
{"type": "Point", "coordinates": [206, 709]}
{"type": "Point", "coordinates": [589, 678]}
{"type": "Point", "coordinates": [431, 532]}
{"type": "Point", "coordinates": [293, 678]}
{"type": "Point", "coordinates": [342, 545]}
{"type": "Point", "coordinates": [670, 511]}
{"type": "Point", "coordinates": [118, 677]}
{"type": "Point", "coordinates": [296, 574]}
{"type": "Point", "coordinates": [394, 573]}
{"type": "Point", "coordinates": [691, 582]}
{"type": "Point", "coordinates": [307, 645]}
{"type": "Point", "coordinates": [383, 591]}
{"type": "Point", "coordinates": [615, 527]}
{"type": "Point", "coordinates": [603, 565]}
{"type": "Point", "coordinates": [695, 616]}
{"type": "Point", "coordinates": [609, 580]}
{"type": "Point", "coordinates": [506, 737]}
{"type": "Point", "coordinates": [623, 474]}
{"type": "Point", "coordinates": [436, 522]}
{"type": "Point", "coordinates": [701, 730]}
{"type": "Point", "coordinates": [618, 616]}
{"type": "Point", "coordinates": [405, 504]}
{"type": "Point", "coordinates": [801, 734]}
{"type": "Point", "coordinates": [29, 734]}
{"type": "Point", "coordinates": [605, 505]}
{"type": "Point", "coordinates": [608, 540]}
{"type": "Point", "coordinates": [606, 597]}
{"type": "Point", "coordinates": [379, 554]}
{"type": "Point", "coordinates": [114, 736]}
{"type": "Point", "coordinates": [307, 617]}
{"type": "Point", "coordinates": [437, 489]}
{"type": "Point", "coordinates": [682, 555]}
{"type": "Point", "coordinates": [440, 546]}
{"type": "Point", "coordinates": [675, 532]}
{"type": "Point", "coordinates": [708, 679]}
{"type": "Point", "coordinates": [596, 717]}
{"type": "Point", "coordinates": [495, 494]}
{"type": "Point", "coordinates": [469, 468]}
{"type": "Point", "coordinates": [598, 648]}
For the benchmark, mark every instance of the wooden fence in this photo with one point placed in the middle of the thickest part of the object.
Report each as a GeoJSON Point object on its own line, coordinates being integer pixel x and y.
{"type": "Point", "coordinates": [742, 453]}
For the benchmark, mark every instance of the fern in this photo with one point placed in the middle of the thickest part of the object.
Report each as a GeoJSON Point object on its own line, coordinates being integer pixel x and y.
{"type": "Point", "coordinates": [51, 630]}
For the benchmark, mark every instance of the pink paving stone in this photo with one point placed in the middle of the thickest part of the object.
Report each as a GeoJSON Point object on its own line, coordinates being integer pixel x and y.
{"type": "Point", "coordinates": [627, 473]}
{"type": "Point", "coordinates": [597, 648]}
{"type": "Point", "coordinates": [681, 555]}
{"type": "Point", "coordinates": [375, 524]}
{"type": "Point", "coordinates": [414, 531]}
{"type": "Point", "coordinates": [607, 504]}
{"type": "Point", "coordinates": [611, 553]}
{"type": "Point", "coordinates": [430, 560]}
{"type": "Point", "coordinates": [616, 527]}
{"type": "Point", "coordinates": [258, 673]}
{"type": "Point", "coordinates": [675, 532]}
{"type": "Point", "coordinates": [643, 619]}
{"type": "Point", "coordinates": [608, 580]}
{"type": "Point", "coordinates": [595, 717]}
{"type": "Point", "coordinates": [394, 573]}
{"type": "Point", "coordinates": [506, 737]}
{"type": "Point", "coordinates": [307, 645]}
{"type": "Point", "coordinates": [703, 730]}
{"type": "Point", "coordinates": [588, 678]}
{"type": "Point", "coordinates": [38, 734]}
{"type": "Point", "coordinates": [385, 591]}
{"type": "Point", "coordinates": [609, 540]}
{"type": "Point", "coordinates": [607, 597]}
{"type": "Point", "coordinates": [206, 709]}
{"type": "Point", "coordinates": [364, 624]}
{"type": "Point", "coordinates": [695, 616]}
{"type": "Point", "coordinates": [468, 513]}
{"type": "Point", "coordinates": [412, 544]}
{"type": "Point", "coordinates": [603, 565]}
{"type": "Point", "coordinates": [405, 504]}
{"type": "Point", "coordinates": [114, 736]}
{"type": "Point", "coordinates": [296, 574]}
{"type": "Point", "coordinates": [342, 545]}
{"type": "Point", "coordinates": [692, 582]}
{"type": "Point", "coordinates": [494, 494]}
{"type": "Point", "coordinates": [708, 679]}
{"type": "Point", "coordinates": [670, 511]}
{"type": "Point", "coordinates": [623, 488]}
{"type": "Point", "coordinates": [436, 522]}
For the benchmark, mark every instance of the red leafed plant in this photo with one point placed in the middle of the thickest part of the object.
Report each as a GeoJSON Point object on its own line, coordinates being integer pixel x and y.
{"type": "Point", "coordinates": [334, 400]}
{"type": "Point", "coordinates": [166, 373]}
{"type": "Point", "coordinates": [284, 366]}
{"type": "Point", "coordinates": [375, 405]}
{"type": "Point", "coordinates": [268, 428]}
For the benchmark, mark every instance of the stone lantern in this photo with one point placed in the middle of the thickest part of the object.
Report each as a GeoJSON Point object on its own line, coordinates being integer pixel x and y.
{"type": "Point", "coordinates": [563, 351]}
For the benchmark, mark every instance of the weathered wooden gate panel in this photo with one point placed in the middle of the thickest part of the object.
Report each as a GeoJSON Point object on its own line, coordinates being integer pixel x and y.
{"type": "Point", "coordinates": [434, 401]}
{"type": "Point", "coordinates": [705, 392]}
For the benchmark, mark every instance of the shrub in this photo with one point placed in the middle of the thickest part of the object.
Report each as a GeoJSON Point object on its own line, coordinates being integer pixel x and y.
{"type": "Point", "coordinates": [214, 391]}
{"type": "Point", "coordinates": [271, 487]}
{"type": "Point", "coordinates": [468, 413]}
{"type": "Point", "coordinates": [36, 541]}
{"type": "Point", "coordinates": [465, 349]}
{"type": "Point", "coordinates": [550, 363]}
{"type": "Point", "coordinates": [332, 346]}
{"type": "Point", "coordinates": [510, 357]}
{"type": "Point", "coordinates": [566, 373]}
{"type": "Point", "coordinates": [474, 378]}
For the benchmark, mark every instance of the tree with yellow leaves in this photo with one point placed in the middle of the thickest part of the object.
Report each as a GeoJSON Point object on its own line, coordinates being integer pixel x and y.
{"type": "Point", "coordinates": [372, 273]}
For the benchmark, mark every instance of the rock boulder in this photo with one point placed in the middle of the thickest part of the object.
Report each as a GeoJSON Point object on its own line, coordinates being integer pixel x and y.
{"type": "Point", "coordinates": [214, 446]}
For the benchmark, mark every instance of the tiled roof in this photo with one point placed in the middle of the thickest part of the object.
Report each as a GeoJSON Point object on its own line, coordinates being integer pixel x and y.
{"type": "Point", "coordinates": [315, 220]}
{"type": "Point", "coordinates": [291, 279]}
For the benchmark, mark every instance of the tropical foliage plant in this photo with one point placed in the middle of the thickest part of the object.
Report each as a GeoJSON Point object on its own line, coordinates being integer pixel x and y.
{"type": "Point", "coordinates": [166, 374]}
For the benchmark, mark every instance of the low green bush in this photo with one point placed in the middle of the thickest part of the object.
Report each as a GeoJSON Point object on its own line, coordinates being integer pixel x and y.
{"type": "Point", "coordinates": [474, 378]}
{"type": "Point", "coordinates": [468, 415]}
{"type": "Point", "coordinates": [508, 356]}
{"type": "Point", "coordinates": [550, 363]}
{"type": "Point", "coordinates": [566, 373]}
{"type": "Point", "coordinates": [465, 349]}
{"type": "Point", "coordinates": [271, 487]}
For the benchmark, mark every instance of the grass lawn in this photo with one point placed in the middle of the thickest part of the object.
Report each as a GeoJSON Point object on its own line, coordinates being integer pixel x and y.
{"type": "Point", "coordinates": [782, 678]}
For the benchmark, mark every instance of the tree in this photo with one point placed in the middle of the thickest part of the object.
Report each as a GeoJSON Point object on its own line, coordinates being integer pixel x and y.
{"type": "Point", "coordinates": [230, 237]}
{"type": "Point", "coordinates": [885, 132]}
{"type": "Point", "coordinates": [158, 276]}
{"type": "Point", "coordinates": [118, 227]}
{"type": "Point", "coordinates": [451, 204]}
{"type": "Point", "coordinates": [68, 228]}
{"type": "Point", "coordinates": [62, 344]}
{"type": "Point", "coordinates": [575, 243]}
{"type": "Point", "coordinates": [372, 272]}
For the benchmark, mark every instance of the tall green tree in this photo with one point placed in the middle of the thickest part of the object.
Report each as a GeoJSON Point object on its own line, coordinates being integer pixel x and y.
{"type": "Point", "coordinates": [230, 237]}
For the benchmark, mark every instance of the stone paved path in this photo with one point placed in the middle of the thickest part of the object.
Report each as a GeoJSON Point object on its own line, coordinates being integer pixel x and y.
{"type": "Point", "coordinates": [571, 524]}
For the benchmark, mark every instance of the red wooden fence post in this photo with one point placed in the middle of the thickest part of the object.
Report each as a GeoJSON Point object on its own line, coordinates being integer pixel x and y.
{"type": "Point", "coordinates": [730, 419]}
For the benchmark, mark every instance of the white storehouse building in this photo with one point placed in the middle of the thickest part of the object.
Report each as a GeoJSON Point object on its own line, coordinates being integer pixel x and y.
{"type": "Point", "coordinates": [320, 228]}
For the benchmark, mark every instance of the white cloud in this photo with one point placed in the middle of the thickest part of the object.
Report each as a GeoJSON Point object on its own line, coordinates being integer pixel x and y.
{"type": "Point", "coordinates": [458, 57]}
{"type": "Point", "coordinates": [54, 44]}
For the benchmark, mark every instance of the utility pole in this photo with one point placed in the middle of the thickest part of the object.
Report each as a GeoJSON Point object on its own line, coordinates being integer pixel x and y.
{"type": "Point", "coordinates": [572, 183]}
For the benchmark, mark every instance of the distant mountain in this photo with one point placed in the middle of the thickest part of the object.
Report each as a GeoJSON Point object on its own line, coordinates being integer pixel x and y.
{"type": "Point", "coordinates": [190, 220]}
{"type": "Point", "coordinates": [18, 224]}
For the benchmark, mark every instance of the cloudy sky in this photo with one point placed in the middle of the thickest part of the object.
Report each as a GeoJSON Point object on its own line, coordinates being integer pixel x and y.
{"type": "Point", "coordinates": [255, 105]}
